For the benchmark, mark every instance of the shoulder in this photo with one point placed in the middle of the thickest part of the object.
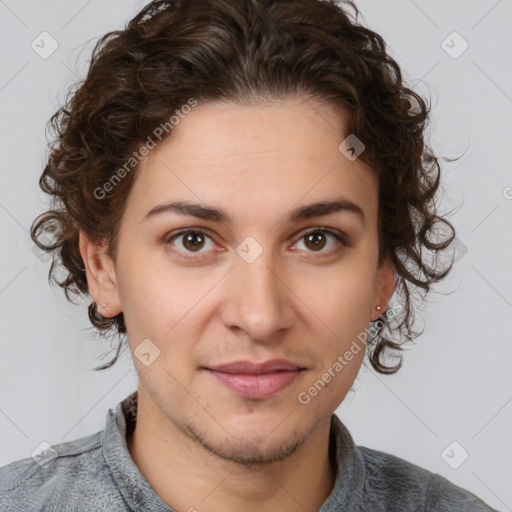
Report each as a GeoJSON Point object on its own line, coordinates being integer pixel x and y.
{"type": "Point", "coordinates": [443, 495]}
{"type": "Point", "coordinates": [72, 473]}
{"type": "Point", "coordinates": [393, 483]}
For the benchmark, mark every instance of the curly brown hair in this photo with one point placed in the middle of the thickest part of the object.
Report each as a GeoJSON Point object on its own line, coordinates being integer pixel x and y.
{"type": "Point", "coordinates": [239, 51]}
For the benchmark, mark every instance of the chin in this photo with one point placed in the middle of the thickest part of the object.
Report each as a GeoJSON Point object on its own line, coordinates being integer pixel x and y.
{"type": "Point", "coordinates": [252, 450]}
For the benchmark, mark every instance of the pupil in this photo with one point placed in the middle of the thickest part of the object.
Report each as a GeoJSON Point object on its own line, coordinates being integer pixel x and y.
{"type": "Point", "coordinates": [189, 239]}
{"type": "Point", "coordinates": [314, 238]}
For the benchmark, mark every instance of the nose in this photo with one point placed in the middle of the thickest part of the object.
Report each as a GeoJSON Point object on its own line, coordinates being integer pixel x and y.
{"type": "Point", "coordinates": [258, 300]}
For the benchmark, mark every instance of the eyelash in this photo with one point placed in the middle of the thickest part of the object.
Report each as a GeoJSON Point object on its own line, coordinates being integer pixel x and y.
{"type": "Point", "coordinates": [187, 256]}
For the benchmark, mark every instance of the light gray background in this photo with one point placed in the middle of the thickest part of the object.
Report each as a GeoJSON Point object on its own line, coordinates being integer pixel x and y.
{"type": "Point", "coordinates": [455, 384]}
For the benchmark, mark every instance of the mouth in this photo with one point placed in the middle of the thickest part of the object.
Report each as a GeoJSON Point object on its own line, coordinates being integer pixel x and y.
{"type": "Point", "coordinates": [254, 381]}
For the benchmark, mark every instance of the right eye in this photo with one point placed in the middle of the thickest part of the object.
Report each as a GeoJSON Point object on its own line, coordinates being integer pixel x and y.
{"type": "Point", "coordinates": [191, 241]}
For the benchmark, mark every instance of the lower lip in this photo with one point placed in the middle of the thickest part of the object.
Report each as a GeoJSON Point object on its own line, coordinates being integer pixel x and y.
{"type": "Point", "coordinates": [256, 386]}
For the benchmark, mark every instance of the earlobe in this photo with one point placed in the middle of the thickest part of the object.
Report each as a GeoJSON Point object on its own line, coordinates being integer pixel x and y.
{"type": "Point", "coordinates": [101, 276]}
{"type": "Point", "coordinates": [386, 285]}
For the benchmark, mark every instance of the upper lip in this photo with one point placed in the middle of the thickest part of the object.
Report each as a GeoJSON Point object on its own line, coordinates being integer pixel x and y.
{"type": "Point", "coordinates": [250, 368]}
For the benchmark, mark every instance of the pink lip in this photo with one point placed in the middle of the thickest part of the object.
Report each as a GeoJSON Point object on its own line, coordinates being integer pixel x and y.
{"type": "Point", "coordinates": [250, 368]}
{"type": "Point", "coordinates": [256, 386]}
{"type": "Point", "coordinates": [256, 380]}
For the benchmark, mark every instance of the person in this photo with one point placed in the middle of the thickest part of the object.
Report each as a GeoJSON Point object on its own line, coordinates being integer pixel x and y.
{"type": "Point", "coordinates": [245, 191]}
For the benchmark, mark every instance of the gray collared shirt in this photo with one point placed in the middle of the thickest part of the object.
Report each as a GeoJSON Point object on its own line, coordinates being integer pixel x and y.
{"type": "Point", "coordinates": [96, 473]}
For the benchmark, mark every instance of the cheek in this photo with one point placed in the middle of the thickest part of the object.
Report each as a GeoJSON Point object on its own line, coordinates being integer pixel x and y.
{"type": "Point", "coordinates": [325, 390]}
{"type": "Point", "coordinates": [341, 300]}
{"type": "Point", "coordinates": [167, 312]}
{"type": "Point", "coordinates": [149, 302]}
{"type": "Point", "coordinates": [341, 316]}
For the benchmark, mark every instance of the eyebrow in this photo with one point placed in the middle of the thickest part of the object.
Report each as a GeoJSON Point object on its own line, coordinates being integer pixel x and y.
{"type": "Point", "coordinates": [211, 213]}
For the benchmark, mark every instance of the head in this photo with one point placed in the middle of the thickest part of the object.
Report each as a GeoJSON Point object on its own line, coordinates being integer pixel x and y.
{"type": "Point", "coordinates": [250, 113]}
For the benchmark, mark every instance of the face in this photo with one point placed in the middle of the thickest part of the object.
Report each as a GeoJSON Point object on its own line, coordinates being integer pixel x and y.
{"type": "Point", "coordinates": [258, 285]}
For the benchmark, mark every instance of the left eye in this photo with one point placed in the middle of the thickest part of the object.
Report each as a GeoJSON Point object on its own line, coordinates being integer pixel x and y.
{"type": "Point", "coordinates": [193, 241]}
{"type": "Point", "coordinates": [317, 238]}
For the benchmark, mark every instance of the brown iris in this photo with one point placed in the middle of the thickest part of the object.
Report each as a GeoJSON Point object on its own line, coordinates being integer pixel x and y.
{"type": "Point", "coordinates": [191, 238]}
{"type": "Point", "coordinates": [316, 240]}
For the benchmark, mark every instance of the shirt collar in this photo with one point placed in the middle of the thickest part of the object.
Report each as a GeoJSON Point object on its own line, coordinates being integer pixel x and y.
{"type": "Point", "coordinates": [139, 495]}
{"type": "Point", "coordinates": [136, 490]}
{"type": "Point", "coordinates": [350, 470]}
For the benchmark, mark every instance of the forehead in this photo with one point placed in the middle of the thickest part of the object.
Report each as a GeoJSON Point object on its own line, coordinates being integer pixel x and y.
{"type": "Point", "coordinates": [297, 128]}
{"type": "Point", "coordinates": [254, 158]}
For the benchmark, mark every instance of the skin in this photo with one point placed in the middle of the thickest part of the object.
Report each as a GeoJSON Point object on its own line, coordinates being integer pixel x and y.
{"type": "Point", "coordinates": [200, 445]}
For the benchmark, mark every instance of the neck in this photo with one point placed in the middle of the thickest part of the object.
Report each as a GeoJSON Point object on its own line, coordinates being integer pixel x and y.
{"type": "Point", "coordinates": [186, 476]}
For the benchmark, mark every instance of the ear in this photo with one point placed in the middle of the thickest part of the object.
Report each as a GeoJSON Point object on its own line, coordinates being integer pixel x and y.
{"type": "Point", "coordinates": [386, 282]}
{"type": "Point", "coordinates": [101, 276]}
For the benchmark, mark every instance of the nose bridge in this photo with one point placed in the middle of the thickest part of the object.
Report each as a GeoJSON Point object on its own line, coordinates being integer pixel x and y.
{"type": "Point", "coordinates": [260, 301]}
